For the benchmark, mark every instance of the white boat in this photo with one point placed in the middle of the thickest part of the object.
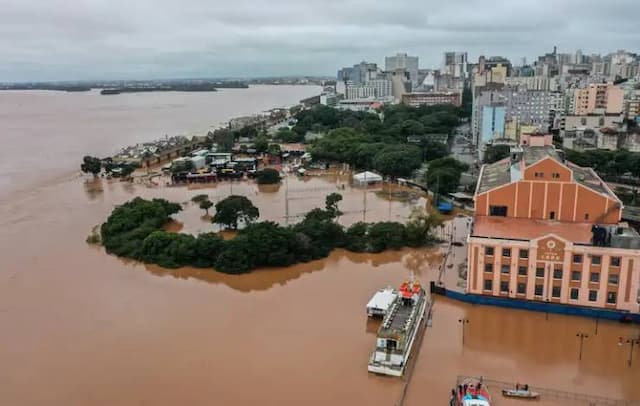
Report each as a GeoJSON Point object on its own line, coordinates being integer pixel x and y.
{"type": "Point", "coordinates": [522, 393]}
{"type": "Point", "coordinates": [398, 330]}
{"type": "Point", "coordinates": [380, 302]}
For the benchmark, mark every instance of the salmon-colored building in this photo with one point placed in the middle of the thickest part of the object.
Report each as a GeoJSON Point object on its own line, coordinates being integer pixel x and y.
{"type": "Point", "coordinates": [548, 230]}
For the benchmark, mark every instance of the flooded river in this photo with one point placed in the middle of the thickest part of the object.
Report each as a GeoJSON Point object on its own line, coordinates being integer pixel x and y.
{"type": "Point", "coordinates": [80, 327]}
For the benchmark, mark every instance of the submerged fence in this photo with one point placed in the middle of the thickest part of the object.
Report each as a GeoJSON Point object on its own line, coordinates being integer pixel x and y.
{"type": "Point", "coordinates": [496, 387]}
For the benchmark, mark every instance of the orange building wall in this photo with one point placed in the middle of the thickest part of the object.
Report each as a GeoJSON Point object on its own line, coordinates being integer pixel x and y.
{"type": "Point", "coordinates": [481, 205]}
{"type": "Point", "coordinates": [504, 196]}
{"type": "Point", "coordinates": [568, 201]}
{"type": "Point", "coordinates": [560, 198]}
{"type": "Point", "coordinates": [537, 200]}
{"type": "Point", "coordinates": [553, 200]}
{"type": "Point", "coordinates": [547, 167]}
{"type": "Point", "coordinates": [522, 204]}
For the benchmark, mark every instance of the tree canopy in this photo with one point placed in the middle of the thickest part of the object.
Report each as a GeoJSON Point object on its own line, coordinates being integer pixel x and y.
{"type": "Point", "coordinates": [443, 174]}
{"type": "Point", "coordinates": [495, 153]}
{"type": "Point", "coordinates": [234, 209]}
{"type": "Point", "coordinates": [607, 163]}
{"type": "Point", "coordinates": [134, 230]}
{"type": "Point", "coordinates": [367, 141]}
{"type": "Point", "coordinates": [268, 176]}
{"type": "Point", "coordinates": [91, 165]}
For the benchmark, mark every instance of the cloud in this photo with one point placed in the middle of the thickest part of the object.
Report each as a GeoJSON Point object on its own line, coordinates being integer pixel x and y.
{"type": "Point", "coordinates": [82, 39]}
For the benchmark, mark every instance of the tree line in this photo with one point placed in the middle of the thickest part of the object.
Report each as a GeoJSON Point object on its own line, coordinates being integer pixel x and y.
{"type": "Point", "coordinates": [134, 230]}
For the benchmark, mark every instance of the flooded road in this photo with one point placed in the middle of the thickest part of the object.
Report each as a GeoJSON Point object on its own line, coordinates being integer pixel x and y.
{"type": "Point", "coordinates": [80, 327]}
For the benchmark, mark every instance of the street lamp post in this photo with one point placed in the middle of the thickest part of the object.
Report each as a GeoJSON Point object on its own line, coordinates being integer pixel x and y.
{"type": "Point", "coordinates": [463, 321]}
{"type": "Point", "coordinates": [632, 342]}
{"type": "Point", "coordinates": [581, 336]}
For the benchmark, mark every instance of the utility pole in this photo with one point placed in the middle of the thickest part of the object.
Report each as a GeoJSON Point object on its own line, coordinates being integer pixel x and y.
{"type": "Point", "coordinates": [286, 199]}
{"type": "Point", "coordinates": [581, 336]}
{"type": "Point", "coordinates": [632, 342]}
{"type": "Point", "coordinates": [463, 321]}
{"type": "Point", "coordinates": [364, 198]}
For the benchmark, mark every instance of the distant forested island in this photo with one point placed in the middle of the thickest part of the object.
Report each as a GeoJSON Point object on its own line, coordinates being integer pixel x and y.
{"type": "Point", "coordinates": [117, 87]}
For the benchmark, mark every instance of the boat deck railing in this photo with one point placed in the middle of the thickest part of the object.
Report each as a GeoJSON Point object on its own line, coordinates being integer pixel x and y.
{"type": "Point", "coordinates": [495, 387]}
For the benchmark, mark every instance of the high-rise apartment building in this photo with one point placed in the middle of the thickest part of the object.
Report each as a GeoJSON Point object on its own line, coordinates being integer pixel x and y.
{"type": "Point", "coordinates": [598, 98]}
{"type": "Point", "coordinates": [455, 64]}
{"type": "Point", "coordinates": [403, 62]}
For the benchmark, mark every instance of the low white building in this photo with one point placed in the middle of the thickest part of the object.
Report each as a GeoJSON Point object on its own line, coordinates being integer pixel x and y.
{"type": "Point", "coordinates": [366, 178]}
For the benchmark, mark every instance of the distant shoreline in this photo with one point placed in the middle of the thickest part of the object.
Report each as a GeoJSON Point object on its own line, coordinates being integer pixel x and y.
{"type": "Point", "coordinates": [114, 89]}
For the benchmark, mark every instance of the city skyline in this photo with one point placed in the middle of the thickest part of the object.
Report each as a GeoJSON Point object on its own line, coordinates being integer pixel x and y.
{"type": "Point", "coordinates": [55, 40]}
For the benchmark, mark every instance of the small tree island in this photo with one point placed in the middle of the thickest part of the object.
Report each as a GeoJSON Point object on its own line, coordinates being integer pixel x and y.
{"type": "Point", "coordinates": [134, 230]}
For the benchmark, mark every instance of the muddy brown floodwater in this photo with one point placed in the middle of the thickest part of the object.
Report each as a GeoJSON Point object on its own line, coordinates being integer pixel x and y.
{"type": "Point", "coordinates": [83, 327]}
{"type": "Point", "coordinates": [80, 327]}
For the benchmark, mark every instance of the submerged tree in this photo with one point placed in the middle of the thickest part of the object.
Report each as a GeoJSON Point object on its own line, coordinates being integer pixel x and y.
{"type": "Point", "coordinates": [331, 203]}
{"type": "Point", "coordinates": [206, 205]}
{"type": "Point", "coordinates": [91, 165]}
{"type": "Point", "coordinates": [199, 198]}
{"type": "Point", "coordinates": [234, 209]}
{"type": "Point", "coordinates": [268, 176]}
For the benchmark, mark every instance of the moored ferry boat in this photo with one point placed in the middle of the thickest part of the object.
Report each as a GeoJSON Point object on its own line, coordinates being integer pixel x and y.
{"type": "Point", "coordinates": [398, 330]}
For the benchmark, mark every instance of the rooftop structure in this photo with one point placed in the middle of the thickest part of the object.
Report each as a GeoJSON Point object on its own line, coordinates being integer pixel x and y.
{"type": "Point", "coordinates": [548, 230]}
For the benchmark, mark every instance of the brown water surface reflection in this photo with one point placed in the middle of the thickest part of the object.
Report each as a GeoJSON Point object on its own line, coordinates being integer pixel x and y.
{"type": "Point", "coordinates": [80, 327]}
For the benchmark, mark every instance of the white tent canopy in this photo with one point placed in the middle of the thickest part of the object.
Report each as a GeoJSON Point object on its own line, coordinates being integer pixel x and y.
{"type": "Point", "coordinates": [367, 177]}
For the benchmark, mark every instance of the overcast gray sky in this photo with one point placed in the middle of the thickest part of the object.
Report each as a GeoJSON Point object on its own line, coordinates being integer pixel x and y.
{"type": "Point", "coordinates": [93, 39]}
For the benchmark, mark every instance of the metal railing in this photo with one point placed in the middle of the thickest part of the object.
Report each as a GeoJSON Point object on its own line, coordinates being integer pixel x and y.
{"type": "Point", "coordinates": [496, 386]}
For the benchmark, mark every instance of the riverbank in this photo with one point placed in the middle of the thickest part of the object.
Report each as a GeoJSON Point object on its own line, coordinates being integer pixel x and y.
{"type": "Point", "coordinates": [46, 133]}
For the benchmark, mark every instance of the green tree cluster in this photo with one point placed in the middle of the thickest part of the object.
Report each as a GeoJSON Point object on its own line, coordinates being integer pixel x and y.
{"type": "Point", "coordinates": [268, 176]}
{"type": "Point", "coordinates": [369, 142]}
{"type": "Point", "coordinates": [134, 230]}
{"type": "Point", "coordinates": [607, 163]}
{"type": "Point", "coordinates": [91, 165]}
{"type": "Point", "coordinates": [234, 209]}
{"type": "Point", "coordinates": [443, 175]}
{"type": "Point", "coordinates": [495, 153]}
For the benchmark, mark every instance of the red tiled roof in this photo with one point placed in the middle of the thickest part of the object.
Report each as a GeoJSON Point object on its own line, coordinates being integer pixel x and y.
{"type": "Point", "coordinates": [529, 229]}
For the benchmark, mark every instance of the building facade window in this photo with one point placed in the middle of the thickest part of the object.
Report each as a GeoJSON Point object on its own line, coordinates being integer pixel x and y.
{"type": "Point", "coordinates": [538, 290]}
{"type": "Point", "coordinates": [574, 293]}
{"type": "Point", "coordinates": [615, 261]}
{"type": "Point", "coordinates": [577, 259]}
{"type": "Point", "coordinates": [488, 284]}
{"type": "Point", "coordinates": [488, 267]}
{"type": "Point", "coordinates": [504, 287]}
{"type": "Point", "coordinates": [522, 288]}
{"type": "Point", "coordinates": [539, 272]}
{"type": "Point", "coordinates": [586, 216]}
{"type": "Point", "coordinates": [557, 274]}
{"type": "Point", "coordinates": [555, 291]}
{"type": "Point", "coordinates": [593, 295]}
{"type": "Point", "coordinates": [504, 269]}
{"type": "Point", "coordinates": [612, 297]}
{"type": "Point", "coordinates": [594, 277]}
{"type": "Point", "coordinates": [506, 252]}
{"type": "Point", "coordinates": [552, 215]}
{"type": "Point", "coordinates": [498, 211]}
{"type": "Point", "coordinates": [522, 270]}
{"type": "Point", "coordinates": [596, 260]}
{"type": "Point", "coordinates": [576, 275]}
{"type": "Point", "coordinates": [488, 251]}
{"type": "Point", "coordinates": [524, 254]}
{"type": "Point", "coordinates": [613, 279]}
